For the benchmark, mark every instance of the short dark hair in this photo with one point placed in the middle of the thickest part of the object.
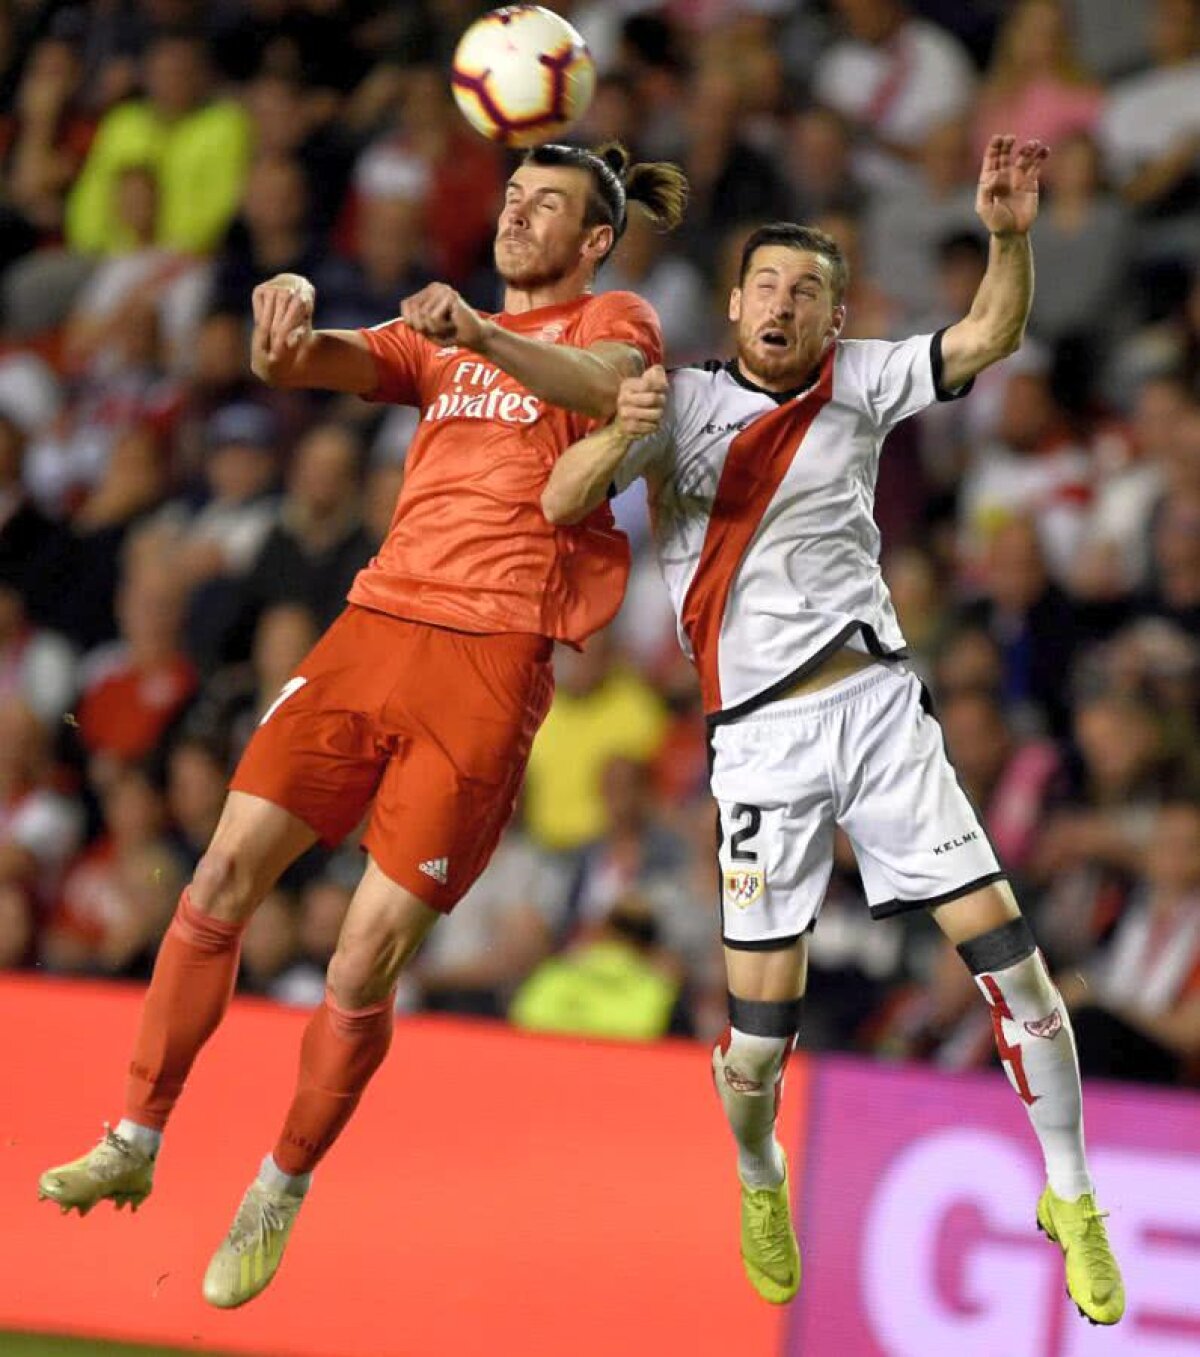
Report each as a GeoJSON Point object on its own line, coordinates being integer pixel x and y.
{"type": "Point", "coordinates": [797, 237]}
{"type": "Point", "coordinates": [660, 188]}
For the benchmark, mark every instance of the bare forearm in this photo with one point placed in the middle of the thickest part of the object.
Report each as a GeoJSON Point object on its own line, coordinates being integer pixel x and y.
{"type": "Point", "coordinates": [582, 475]}
{"type": "Point", "coordinates": [995, 324]}
{"type": "Point", "coordinates": [560, 374]}
{"type": "Point", "coordinates": [327, 360]}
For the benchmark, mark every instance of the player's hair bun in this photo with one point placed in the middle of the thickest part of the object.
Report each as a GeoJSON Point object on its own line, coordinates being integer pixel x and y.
{"type": "Point", "coordinates": [616, 157]}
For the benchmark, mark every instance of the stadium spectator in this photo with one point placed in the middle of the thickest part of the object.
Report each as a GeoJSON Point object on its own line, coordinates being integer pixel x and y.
{"type": "Point", "coordinates": [819, 165]}
{"type": "Point", "coordinates": [135, 687]}
{"type": "Point", "coordinates": [36, 665]}
{"type": "Point", "coordinates": [893, 75]}
{"type": "Point", "coordinates": [39, 828]}
{"type": "Point", "coordinates": [199, 144]}
{"type": "Point", "coordinates": [1136, 1006]}
{"type": "Point", "coordinates": [43, 143]}
{"type": "Point", "coordinates": [1031, 623]}
{"type": "Point", "coordinates": [601, 710]}
{"type": "Point", "coordinates": [268, 946]}
{"type": "Point", "coordinates": [145, 275]}
{"type": "Point", "coordinates": [116, 899]}
{"type": "Point", "coordinates": [1035, 84]}
{"type": "Point", "coordinates": [196, 775]}
{"type": "Point", "coordinates": [1083, 243]}
{"type": "Point", "coordinates": [1150, 129]}
{"type": "Point", "coordinates": [616, 983]}
{"type": "Point", "coordinates": [323, 905]}
{"type": "Point", "coordinates": [318, 544]}
{"type": "Point", "coordinates": [507, 923]}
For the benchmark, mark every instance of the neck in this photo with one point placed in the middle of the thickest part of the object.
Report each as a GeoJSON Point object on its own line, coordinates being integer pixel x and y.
{"type": "Point", "coordinates": [520, 299]}
{"type": "Point", "coordinates": [787, 384]}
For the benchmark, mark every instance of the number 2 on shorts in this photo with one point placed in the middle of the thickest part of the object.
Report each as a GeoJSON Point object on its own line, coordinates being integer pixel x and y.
{"type": "Point", "coordinates": [751, 818]}
{"type": "Point", "coordinates": [293, 685]}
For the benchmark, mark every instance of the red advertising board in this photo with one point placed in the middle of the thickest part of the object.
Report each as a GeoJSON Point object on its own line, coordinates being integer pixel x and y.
{"type": "Point", "coordinates": [497, 1194]}
{"type": "Point", "coordinates": [917, 1220]}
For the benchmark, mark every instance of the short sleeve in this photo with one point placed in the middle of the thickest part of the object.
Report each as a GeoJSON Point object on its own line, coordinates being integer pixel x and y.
{"type": "Point", "coordinates": [892, 381]}
{"type": "Point", "coordinates": [622, 318]}
{"type": "Point", "coordinates": [399, 354]}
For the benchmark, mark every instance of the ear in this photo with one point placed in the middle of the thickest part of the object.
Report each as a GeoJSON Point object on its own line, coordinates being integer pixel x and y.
{"type": "Point", "coordinates": [598, 242]}
{"type": "Point", "coordinates": [735, 305]}
{"type": "Point", "coordinates": [835, 329]}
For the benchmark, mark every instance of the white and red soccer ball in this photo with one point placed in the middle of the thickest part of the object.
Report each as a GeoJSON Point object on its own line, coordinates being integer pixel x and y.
{"type": "Point", "coordinates": [522, 75]}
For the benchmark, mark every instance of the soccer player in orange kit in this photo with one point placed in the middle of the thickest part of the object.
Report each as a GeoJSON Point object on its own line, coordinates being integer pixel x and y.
{"type": "Point", "coordinates": [420, 703]}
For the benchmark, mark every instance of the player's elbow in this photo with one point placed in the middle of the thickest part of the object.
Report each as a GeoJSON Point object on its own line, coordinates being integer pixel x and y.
{"type": "Point", "coordinates": [560, 509]}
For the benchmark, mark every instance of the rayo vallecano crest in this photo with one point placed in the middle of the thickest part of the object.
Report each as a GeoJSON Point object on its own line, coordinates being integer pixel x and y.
{"type": "Point", "coordinates": [743, 886]}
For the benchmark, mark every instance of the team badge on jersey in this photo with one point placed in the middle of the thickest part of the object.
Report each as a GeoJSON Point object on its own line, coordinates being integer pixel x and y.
{"type": "Point", "coordinates": [744, 886]}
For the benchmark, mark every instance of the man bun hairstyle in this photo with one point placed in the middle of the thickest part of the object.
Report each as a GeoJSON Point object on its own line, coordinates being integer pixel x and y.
{"type": "Point", "coordinates": [659, 188]}
{"type": "Point", "coordinates": [798, 237]}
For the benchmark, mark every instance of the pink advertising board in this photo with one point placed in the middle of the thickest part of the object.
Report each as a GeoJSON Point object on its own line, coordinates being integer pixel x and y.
{"type": "Point", "coordinates": [916, 1217]}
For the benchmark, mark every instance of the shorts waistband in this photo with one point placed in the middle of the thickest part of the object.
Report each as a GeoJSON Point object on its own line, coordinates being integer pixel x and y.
{"type": "Point", "coordinates": [836, 695]}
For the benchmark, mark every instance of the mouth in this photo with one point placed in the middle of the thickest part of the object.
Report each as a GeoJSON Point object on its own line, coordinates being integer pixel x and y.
{"type": "Point", "coordinates": [773, 338]}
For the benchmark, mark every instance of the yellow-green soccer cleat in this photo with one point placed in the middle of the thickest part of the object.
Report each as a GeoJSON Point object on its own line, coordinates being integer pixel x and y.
{"type": "Point", "coordinates": [770, 1253]}
{"type": "Point", "coordinates": [251, 1252]}
{"type": "Point", "coordinates": [1093, 1277]}
{"type": "Point", "coordinates": [114, 1170]}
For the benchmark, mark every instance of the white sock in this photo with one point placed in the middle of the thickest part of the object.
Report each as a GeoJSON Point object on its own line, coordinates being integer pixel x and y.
{"type": "Point", "coordinates": [272, 1176]}
{"type": "Point", "coordinates": [1037, 1049]}
{"type": "Point", "coordinates": [748, 1074]}
{"type": "Point", "coordinates": [144, 1138]}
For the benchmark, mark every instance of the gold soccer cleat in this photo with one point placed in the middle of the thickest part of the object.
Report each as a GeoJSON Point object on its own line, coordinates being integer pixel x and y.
{"type": "Point", "coordinates": [1093, 1277]}
{"type": "Point", "coordinates": [253, 1249]}
{"type": "Point", "coordinates": [114, 1170]}
{"type": "Point", "coordinates": [770, 1253]}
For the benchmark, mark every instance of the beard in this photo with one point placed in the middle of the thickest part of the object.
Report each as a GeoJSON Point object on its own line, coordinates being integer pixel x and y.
{"type": "Point", "coordinates": [787, 366]}
{"type": "Point", "coordinates": [532, 266]}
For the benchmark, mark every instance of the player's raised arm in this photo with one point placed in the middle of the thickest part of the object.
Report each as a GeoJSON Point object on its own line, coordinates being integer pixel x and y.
{"type": "Point", "coordinates": [286, 351]}
{"type": "Point", "coordinates": [583, 474]}
{"type": "Point", "coordinates": [1007, 204]}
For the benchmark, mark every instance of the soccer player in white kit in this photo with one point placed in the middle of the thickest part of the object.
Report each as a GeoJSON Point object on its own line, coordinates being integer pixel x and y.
{"type": "Point", "coordinates": [761, 477]}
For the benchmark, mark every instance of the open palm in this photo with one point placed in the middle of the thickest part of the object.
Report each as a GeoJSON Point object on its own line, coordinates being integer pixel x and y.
{"type": "Point", "coordinates": [1007, 199]}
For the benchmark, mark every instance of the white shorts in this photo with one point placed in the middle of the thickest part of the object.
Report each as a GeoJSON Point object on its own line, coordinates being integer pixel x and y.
{"type": "Point", "coordinates": [865, 754]}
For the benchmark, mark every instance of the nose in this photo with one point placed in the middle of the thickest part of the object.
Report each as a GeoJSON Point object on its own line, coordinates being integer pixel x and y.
{"type": "Point", "coordinates": [513, 214]}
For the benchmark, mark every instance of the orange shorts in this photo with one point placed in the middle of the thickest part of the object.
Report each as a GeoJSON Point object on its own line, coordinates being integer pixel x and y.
{"type": "Point", "coordinates": [428, 728]}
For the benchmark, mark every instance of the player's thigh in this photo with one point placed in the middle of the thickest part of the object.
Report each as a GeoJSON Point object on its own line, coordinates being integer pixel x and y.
{"type": "Point", "coordinates": [775, 831]}
{"type": "Point", "coordinates": [918, 839]}
{"type": "Point", "coordinates": [450, 788]}
{"type": "Point", "coordinates": [383, 927]}
{"type": "Point", "coordinates": [320, 750]}
{"type": "Point", "coordinates": [254, 842]}
{"type": "Point", "coordinates": [774, 976]}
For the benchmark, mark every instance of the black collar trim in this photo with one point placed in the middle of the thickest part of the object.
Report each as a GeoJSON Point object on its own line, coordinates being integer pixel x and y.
{"type": "Point", "coordinates": [779, 397]}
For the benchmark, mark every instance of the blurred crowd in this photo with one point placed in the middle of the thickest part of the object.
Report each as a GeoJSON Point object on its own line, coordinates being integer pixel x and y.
{"type": "Point", "coordinates": [173, 535]}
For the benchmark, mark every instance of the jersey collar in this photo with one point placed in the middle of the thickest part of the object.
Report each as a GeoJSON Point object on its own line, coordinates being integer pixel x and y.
{"type": "Point", "coordinates": [779, 397]}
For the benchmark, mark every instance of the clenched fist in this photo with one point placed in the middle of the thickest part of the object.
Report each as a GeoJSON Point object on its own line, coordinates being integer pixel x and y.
{"type": "Point", "coordinates": [440, 314]}
{"type": "Point", "coordinates": [283, 313]}
{"type": "Point", "coordinates": [641, 402]}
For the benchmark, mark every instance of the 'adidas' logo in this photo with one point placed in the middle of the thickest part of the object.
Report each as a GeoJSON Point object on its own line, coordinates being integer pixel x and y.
{"type": "Point", "coordinates": [438, 868]}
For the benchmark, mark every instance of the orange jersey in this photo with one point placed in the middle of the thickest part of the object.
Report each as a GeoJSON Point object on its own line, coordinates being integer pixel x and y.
{"type": "Point", "coordinates": [468, 545]}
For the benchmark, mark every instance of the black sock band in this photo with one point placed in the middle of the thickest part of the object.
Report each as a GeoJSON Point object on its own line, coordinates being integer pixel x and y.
{"type": "Point", "coordinates": [998, 948]}
{"type": "Point", "coordinates": [764, 1017]}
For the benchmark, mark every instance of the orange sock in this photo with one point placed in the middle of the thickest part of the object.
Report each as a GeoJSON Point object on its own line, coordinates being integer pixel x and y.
{"type": "Point", "coordinates": [189, 993]}
{"type": "Point", "coordinates": [340, 1052]}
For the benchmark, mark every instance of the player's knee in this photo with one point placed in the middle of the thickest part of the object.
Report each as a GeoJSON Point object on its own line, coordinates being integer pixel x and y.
{"type": "Point", "coordinates": [223, 885]}
{"type": "Point", "coordinates": [761, 1035]}
{"type": "Point", "coordinates": [362, 972]}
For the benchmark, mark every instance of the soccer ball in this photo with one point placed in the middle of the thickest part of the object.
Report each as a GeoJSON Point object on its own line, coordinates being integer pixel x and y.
{"type": "Point", "coordinates": [522, 75]}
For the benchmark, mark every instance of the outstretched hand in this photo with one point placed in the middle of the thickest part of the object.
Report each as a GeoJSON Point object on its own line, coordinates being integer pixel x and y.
{"type": "Point", "coordinates": [1007, 198]}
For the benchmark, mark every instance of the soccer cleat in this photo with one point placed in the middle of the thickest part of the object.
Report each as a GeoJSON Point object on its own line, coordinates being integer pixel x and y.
{"type": "Point", "coordinates": [1093, 1277]}
{"type": "Point", "coordinates": [770, 1253]}
{"type": "Point", "coordinates": [114, 1170]}
{"type": "Point", "coordinates": [251, 1252]}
